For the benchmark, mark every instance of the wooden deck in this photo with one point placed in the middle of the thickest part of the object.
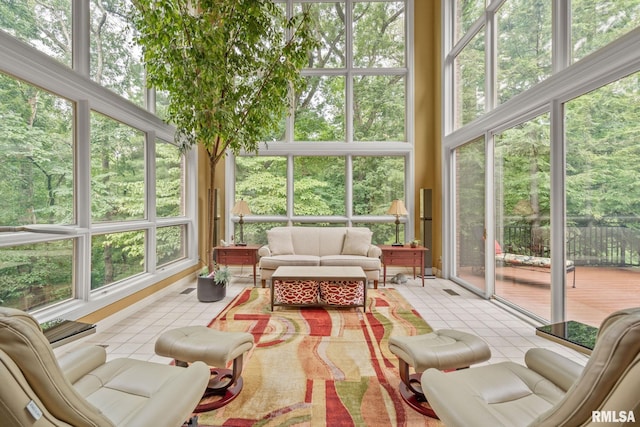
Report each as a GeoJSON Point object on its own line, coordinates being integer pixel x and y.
{"type": "Point", "coordinates": [599, 291]}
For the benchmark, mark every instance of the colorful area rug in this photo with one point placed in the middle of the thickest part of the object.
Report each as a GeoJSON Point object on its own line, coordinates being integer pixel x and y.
{"type": "Point", "coordinates": [319, 367]}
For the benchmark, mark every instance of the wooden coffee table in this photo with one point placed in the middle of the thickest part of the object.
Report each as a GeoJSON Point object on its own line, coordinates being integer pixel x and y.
{"type": "Point", "coordinates": [322, 276]}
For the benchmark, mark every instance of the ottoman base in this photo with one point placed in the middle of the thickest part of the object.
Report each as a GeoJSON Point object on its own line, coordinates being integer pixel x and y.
{"type": "Point", "coordinates": [222, 389]}
{"type": "Point", "coordinates": [416, 400]}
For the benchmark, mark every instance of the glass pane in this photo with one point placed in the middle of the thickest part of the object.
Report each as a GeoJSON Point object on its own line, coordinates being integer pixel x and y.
{"type": "Point", "coordinates": [262, 183]}
{"type": "Point", "coordinates": [470, 207]}
{"type": "Point", "coordinates": [45, 25]}
{"type": "Point", "coordinates": [36, 155]}
{"type": "Point", "coordinates": [116, 61]}
{"type": "Point", "coordinates": [469, 68]}
{"type": "Point", "coordinates": [170, 244]}
{"type": "Point", "coordinates": [330, 31]}
{"type": "Point", "coordinates": [117, 170]}
{"type": "Point", "coordinates": [377, 181]}
{"type": "Point", "coordinates": [37, 275]}
{"type": "Point", "coordinates": [384, 233]}
{"type": "Point", "coordinates": [319, 185]}
{"type": "Point", "coordinates": [378, 34]}
{"type": "Point", "coordinates": [116, 257]}
{"type": "Point", "coordinates": [603, 200]}
{"type": "Point", "coordinates": [320, 110]}
{"type": "Point", "coordinates": [256, 233]}
{"type": "Point", "coordinates": [524, 46]}
{"type": "Point", "coordinates": [379, 108]}
{"type": "Point", "coordinates": [169, 180]}
{"type": "Point", "coordinates": [467, 12]}
{"type": "Point", "coordinates": [522, 185]}
{"type": "Point", "coordinates": [595, 23]}
{"type": "Point", "coordinates": [162, 104]}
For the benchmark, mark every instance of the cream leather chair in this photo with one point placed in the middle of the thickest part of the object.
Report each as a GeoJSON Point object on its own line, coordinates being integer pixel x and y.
{"type": "Point", "coordinates": [551, 390]}
{"type": "Point", "coordinates": [82, 389]}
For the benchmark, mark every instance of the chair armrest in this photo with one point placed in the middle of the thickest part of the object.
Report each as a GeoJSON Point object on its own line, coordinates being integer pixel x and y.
{"type": "Point", "coordinates": [374, 252]}
{"type": "Point", "coordinates": [78, 363]}
{"type": "Point", "coordinates": [558, 369]}
{"type": "Point", "coordinates": [264, 251]}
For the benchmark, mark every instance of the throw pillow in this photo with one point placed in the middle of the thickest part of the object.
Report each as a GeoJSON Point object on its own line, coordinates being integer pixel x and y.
{"type": "Point", "coordinates": [279, 240]}
{"type": "Point", "coordinates": [357, 242]}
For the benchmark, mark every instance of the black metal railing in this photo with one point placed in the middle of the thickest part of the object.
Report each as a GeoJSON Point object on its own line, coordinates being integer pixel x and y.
{"type": "Point", "coordinates": [591, 245]}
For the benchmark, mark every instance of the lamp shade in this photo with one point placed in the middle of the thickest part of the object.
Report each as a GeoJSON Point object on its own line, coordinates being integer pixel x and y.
{"type": "Point", "coordinates": [241, 208]}
{"type": "Point", "coordinates": [397, 208]}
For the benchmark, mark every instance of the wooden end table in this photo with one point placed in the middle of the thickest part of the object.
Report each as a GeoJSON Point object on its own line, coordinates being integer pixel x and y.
{"type": "Point", "coordinates": [238, 255]}
{"type": "Point", "coordinates": [404, 256]}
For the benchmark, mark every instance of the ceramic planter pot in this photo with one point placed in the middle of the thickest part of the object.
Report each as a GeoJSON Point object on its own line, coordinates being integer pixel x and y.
{"type": "Point", "coordinates": [209, 290]}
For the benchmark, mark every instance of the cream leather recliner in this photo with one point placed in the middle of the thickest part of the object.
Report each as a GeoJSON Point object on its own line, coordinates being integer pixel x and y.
{"type": "Point", "coordinates": [551, 390]}
{"type": "Point", "coordinates": [82, 389]}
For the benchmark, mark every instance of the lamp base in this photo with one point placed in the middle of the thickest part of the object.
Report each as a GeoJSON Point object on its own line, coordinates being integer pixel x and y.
{"type": "Point", "coordinates": [241, 244]}
{"type": "Point", "coordinates": [397, 244]}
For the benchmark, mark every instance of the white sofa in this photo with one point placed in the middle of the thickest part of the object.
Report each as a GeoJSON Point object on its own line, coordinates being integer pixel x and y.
{"type": "Point", "coordinates": [319, 246]}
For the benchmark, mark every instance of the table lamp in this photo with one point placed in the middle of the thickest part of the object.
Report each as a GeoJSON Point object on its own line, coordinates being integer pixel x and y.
{"type": "Point", "coordinates": [397, 208]}
{"type": "Point", "coordinates": [241, 209]}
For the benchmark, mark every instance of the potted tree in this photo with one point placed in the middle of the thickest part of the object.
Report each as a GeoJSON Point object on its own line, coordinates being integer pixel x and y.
{"type": "Point", "coordinates": [228, 67]}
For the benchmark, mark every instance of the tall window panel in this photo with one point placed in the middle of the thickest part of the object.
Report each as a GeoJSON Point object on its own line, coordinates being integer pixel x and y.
{"type": "Point", "coordinates": [524, 46]}
{"type": "Point", "coordinates": [170, 244]}
{"type": "Point", "coordinates": [596, 23]}
{"type": "Point", "coordinates": [379, 34]}
{"type": "Point", "coordinates": [470, 173]}
{"type": "Point", "coordinates": [36, 155]}
{"type": "Point", "coordinates": [469, 81]}
{"type": "Point", "coordinates": [466, 13]}
{"type": "Point", "coordinates": [45, 25]}
{"type": "Point", "coordinates": [319, 186]}
{"type": "Point", "coordinates": [116, 62]}
{"type": "Point", "coordinates": [169, 180]}
{"type": "Point", "coordinates": [522, 205]}
{"type": "Point", "coordinates": [603, 199]}
{"type": "Point", "coordinates": [116, 257]}
{"type": "Point", "coordinates": [36, 275]}
{"type": "Point", "coordinates": [379, 108]}
{"type": "Point", "coordinates": [117, 170]}
{"type": "Point", "coordinates": [320, 110]}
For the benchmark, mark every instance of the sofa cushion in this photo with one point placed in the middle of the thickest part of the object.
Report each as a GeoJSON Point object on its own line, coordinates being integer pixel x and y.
{"type": "Point", "coordinates": [357, 242]}
{"type": "Point", "coordinates": [367, 263]}
{"type": "Point", "coordinates": [280, 242]}
{"type": "Point", "coordinates": [274, 262]}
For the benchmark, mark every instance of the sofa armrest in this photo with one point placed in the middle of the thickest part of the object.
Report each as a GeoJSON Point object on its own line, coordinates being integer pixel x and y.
{"type": "Point", "coordinates": [264, 251]}
{"type": "Point", "coordinates": [374, 252]}
{"type": "Point", "coordinates": [78, 363]}
{"type": "Point", "coordinates": [558, 369]}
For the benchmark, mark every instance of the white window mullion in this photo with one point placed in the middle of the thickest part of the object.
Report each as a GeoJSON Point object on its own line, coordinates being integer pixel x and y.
{"type": "Point", "coordinates": [150, 200]}
{"type": "Point", "coordinates": [82, 189]}
{"type": "Point", "coordinates": [81, 37]}
{"type": "Point", "coordinates": [349, 74]}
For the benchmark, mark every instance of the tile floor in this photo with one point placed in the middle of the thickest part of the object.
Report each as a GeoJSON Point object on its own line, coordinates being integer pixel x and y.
{"type": "Point", "coordinates": [133, 331]}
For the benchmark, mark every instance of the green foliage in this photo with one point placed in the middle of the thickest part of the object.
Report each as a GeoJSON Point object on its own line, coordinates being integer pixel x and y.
{"type": "Point", "coordinates": [227, 66]}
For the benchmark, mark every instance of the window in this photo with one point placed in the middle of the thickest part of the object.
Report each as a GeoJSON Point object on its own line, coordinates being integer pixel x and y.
{"type": "Point", "coordinates": [560, 152]}
{"type": "Point", "coordinates": [45, 25]}
{"type": "Point", "coordinates": [116, 62]}
{"type": "Point", "coordinates": [111, 195]}
{"type": "Point", "coordinates": [351, 142]}
{"type": "Point", "coordinates": [524, 46]}
{"type": "Point", "coordinates": [36, 155]}
{"type": "Point", "coordinates": [117, 170]}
